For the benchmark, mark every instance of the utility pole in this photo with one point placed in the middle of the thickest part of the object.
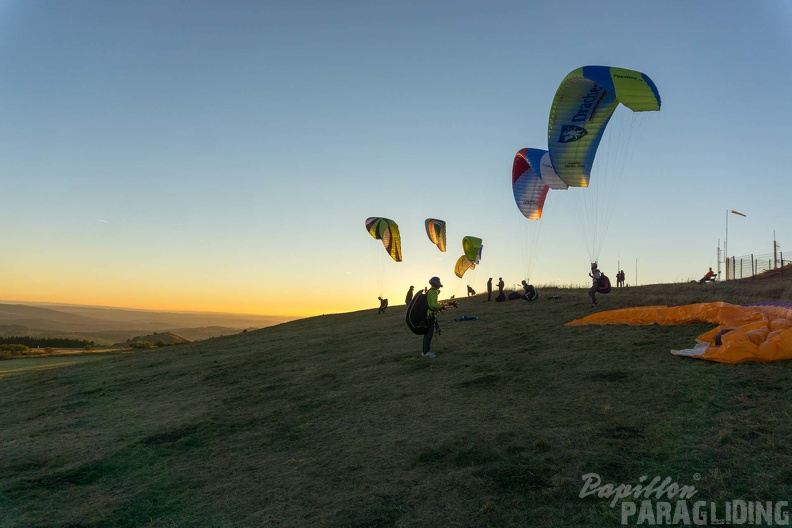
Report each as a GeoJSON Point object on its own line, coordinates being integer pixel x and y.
{"type": "Point", "coordinates": [726, 241]}
{"type": "Point", "coordinates": [775, 251]}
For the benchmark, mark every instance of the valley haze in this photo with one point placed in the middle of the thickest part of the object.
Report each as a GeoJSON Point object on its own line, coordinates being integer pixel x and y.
{"type": "Point", "coordinates": [107, 325]}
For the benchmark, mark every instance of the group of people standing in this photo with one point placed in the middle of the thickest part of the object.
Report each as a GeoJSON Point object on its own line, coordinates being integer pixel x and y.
{"type": "Point", "coordinates": [501, 285]}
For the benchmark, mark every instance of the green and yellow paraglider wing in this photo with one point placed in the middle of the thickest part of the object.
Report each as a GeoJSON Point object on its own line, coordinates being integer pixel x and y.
{"type": "Point", "coordinates": [386, 230]}
{"type": "Point", "coordinates": [436, 231]}
{"type": "Point", "coordinates": [583, 105]}
{"type": "Point", "coordinates": [472, 246]}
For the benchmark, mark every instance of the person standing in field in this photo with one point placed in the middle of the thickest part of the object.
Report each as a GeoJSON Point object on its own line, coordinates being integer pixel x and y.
{"type": "Point", "coordinates": [595, 275]}
{"type": "Point", "coordinates": [433, 308]}
{"type": "Point", "coordinates": [489, 289]}
{"type": "Point", "coordinates": [409, 295]}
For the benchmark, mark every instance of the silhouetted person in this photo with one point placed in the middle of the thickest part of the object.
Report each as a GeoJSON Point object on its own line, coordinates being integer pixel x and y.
{"type": "Point", "coordinates": [595, 275]}
{"type": "Point", "coordinates": [501, 284]}
{"type": "Point", "coordinates": [431, 315]}
{"type": "Point", "coordinates": [471, 291]}
{"type": "Point", "coordinates": [383, 305]}
{"type": "Point", "coordinates": [409, 295]}
{"type": "Point", "coordinates": [489, 289]}
{"type": "Point", "coordinates": [530, 291]}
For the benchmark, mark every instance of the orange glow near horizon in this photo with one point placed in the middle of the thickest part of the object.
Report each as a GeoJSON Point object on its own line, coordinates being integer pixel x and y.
{"type": "Point", "coordinates": [281, 303]}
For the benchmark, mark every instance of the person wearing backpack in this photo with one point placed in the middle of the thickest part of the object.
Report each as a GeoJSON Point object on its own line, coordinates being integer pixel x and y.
{"type": "Point", "coordinates": [595, 275]}
{"type": "Point", "coordinates": [434, 306]}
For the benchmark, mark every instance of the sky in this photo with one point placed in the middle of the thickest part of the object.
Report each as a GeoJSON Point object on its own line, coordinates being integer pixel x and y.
{"type": "Point", "coordinates": [224, 156]}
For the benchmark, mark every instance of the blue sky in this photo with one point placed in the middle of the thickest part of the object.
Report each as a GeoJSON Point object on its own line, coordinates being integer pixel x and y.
{"type": "Point", "coordinates": [224, 155]}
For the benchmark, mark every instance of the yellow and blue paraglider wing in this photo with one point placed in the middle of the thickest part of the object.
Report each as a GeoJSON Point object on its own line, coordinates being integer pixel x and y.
{"type": "Point", "coordinates": [436, 231]}
{"type": "Point", "coordinates": [583, 105]}
{"type": "Point", "coordinates": [386, 230]}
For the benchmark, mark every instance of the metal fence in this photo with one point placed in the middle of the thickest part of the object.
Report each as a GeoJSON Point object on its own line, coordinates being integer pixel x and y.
{"type": "Point", "coordinates": [752, 265]}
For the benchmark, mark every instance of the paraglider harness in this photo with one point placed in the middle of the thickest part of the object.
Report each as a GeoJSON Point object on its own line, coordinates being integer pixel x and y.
{"type": "Point", "coordinates": [603, 284]}
{"type": "Point", "coordinates": [417, 320]}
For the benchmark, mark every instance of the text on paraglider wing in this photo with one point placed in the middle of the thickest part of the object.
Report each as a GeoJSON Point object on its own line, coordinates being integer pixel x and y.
{"type": "Point", "coordinates": [632, 77]}
{"type": "Point", "coordinates": [590, 101]}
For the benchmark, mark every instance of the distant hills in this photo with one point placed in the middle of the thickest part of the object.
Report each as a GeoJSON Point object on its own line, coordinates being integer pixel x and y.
{"type": "Point", "coordinates": [105, 326]}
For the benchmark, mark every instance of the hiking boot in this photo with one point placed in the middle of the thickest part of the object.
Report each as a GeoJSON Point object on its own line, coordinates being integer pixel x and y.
{"type": "Point", "coordinates": [595, 304]}
{"type": "Point", "coordinates": [429, 354]}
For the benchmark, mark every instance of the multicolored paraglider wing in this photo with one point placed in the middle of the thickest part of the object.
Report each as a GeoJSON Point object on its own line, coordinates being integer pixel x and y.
{"type": "Point", "coordinates": [462, 265]}
{"type": "Point", "coordinates": [546, 170]}
{"type": "Point", "coordinates": [583, 105]}
{"type": "Point", "coordinates": [528, 188]}
{"type": "Point", "coordinates": [472, 246]}
{"type": "Point", "coordinates": [386, 230]}
{"type": "Point", "coordinates": [436, 231]}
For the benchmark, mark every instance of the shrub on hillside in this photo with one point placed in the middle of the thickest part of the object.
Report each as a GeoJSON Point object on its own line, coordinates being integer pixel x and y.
{"type": "Point", "coordinates": [15, 349]}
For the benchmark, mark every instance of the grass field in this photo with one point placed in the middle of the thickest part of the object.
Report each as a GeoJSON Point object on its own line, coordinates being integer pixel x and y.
{"type": "Point", "coordinates": [337, 421]}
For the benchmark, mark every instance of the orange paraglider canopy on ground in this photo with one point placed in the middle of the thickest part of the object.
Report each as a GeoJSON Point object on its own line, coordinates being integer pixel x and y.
{"type": "Point", "coordinates": [761, 332]}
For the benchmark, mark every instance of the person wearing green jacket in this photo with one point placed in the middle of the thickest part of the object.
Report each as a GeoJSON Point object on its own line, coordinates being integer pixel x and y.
{"type": "Point", "coordinates": [431, 312]}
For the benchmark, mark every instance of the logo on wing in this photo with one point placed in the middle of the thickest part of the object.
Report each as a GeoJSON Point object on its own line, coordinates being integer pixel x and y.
{"type": "Point", "coordinates": [570, 133]}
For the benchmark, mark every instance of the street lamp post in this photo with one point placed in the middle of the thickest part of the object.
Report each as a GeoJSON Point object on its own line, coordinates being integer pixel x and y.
{"type": "Point", "coordinates": [726, 240]}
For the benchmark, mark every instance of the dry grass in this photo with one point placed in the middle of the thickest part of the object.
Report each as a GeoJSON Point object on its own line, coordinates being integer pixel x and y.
{"type": "Point", "coordinates": [338, 421]}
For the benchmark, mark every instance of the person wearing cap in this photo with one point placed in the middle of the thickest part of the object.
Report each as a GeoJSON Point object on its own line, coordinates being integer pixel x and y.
{"type": "Point", "coordinates": [434, 306]}
{"type": "Point", "coordinates": [595, 275]}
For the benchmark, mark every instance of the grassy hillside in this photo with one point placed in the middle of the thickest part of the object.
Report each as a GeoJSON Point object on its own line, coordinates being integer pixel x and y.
{"type": "Point", "coordinates": [157, 339]}
{"type": "Point", "coordinates": [338, 421]}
